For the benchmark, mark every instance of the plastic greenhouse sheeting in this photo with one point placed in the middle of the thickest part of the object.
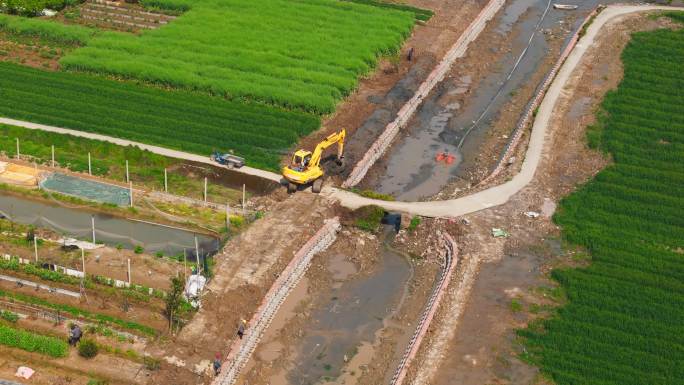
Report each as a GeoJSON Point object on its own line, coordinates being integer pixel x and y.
{"type": "Point", "coordinates": [86, 189]}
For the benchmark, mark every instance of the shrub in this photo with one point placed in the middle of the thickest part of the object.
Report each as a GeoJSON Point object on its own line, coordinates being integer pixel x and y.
{"type": "Point", "coordinates": [415, 221]}
{"type": "Point", "coordinates": [139, 250]}
{"type": "Point", "coordinates": [368, 218]}
{"type": "Point", "coordinates": [151, 363]}
{"type": "Point", "coordinates": [9, 316]}
{"type": "Point", "coordinates": [87, 348]}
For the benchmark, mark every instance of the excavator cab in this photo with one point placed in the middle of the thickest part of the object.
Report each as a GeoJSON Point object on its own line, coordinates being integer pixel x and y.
{"type": "Point", "coordinates": [305, 168]}
{"type": "Point", "coordinates": [300, 160]}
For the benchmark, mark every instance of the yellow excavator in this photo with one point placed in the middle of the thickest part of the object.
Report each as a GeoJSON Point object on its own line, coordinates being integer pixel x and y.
{"type": "Point", "coordinates": [306, 168]}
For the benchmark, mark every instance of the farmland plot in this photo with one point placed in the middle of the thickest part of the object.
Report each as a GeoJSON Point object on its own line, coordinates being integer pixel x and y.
{"type": "Point", "coordinates": [623, 323]}
{"type": "Point", "coordinates": [175, 119]}
{"type": "Point", "coordinates": [304, 54]}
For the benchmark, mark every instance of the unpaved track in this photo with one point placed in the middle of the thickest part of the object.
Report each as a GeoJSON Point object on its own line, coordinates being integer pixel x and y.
{"type": "Point", "coordinates": [154, 149]}
{"type": "Point", "coordinates": [500, 194]}
{"type": "Point", "coordinates": [246, 267]}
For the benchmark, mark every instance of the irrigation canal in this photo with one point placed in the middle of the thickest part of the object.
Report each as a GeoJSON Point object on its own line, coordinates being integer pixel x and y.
{"type": "Point", "coordinates": [112, 231]}
{"type": "Point", "coordinates": [442, 124]}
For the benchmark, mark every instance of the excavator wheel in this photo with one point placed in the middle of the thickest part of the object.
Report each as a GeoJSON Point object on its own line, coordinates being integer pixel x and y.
{"type": "Point", "coordinates": [291, 188]}
{"type": "Point", "coordinates": [317, 185]}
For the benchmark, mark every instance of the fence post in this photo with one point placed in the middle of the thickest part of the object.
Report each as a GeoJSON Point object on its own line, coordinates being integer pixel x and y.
{"type": "Point", "coordinates": [35, 247]}
{"type": "Point", "coordinates": [243, 200]}
{"type": "Point", "coordinates": [90, 166]}
{"type": "Point", "coordinates": [166, 182]}
{"type": "Point", "coordinates": [205, 189]}
{"type": "Point", "coordinates": [17, 148]}
{"type": "Point", "coordinates": [129, 272]}
{"type": "Point", "coordinates": [128, 179]}
{"type": "Point", "coordinates": [197, 258]}
{"type": "Point", "coordinates": [130, 191]}
{"type": "Point", "coordinates": [83, 261]}
{"type": "Point", "coordinates": [92, 226]}
{"type": "Point", "coordinates": [53, 155]}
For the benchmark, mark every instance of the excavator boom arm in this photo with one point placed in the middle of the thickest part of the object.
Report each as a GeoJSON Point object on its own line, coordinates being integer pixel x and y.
{"type": "Point", "coordinates": [337, 137]}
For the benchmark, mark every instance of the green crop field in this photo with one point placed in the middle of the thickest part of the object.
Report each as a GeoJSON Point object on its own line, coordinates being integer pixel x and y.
{"type": "Point", "coordinates": [247, 76]}
{"type": "Point", "coordinates": [624, 319]}
{"type": "Point", "coordinates": [32, 342]}
{"type": "Point", "coordinates": [303, 54]}
{"type": "Point", "coordinates": [174, 119]}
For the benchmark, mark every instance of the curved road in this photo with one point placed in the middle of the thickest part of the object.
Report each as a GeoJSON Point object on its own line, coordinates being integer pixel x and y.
{"type": "Point", "coordinates": [493, 196]}
{"type": "Point", "coordinates": [500, 194]}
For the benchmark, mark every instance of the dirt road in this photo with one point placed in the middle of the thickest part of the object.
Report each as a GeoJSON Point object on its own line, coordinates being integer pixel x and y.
{"type": "Point", "coordinates": [500, 194]}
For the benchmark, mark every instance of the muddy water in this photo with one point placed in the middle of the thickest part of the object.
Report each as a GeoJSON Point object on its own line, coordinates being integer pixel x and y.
{"type": "Point", "coordinates": [340, 337]}
{"type": "Point", "coordinates": [442, 123]}
{"type": "Point", "coordinates": [109, 230]}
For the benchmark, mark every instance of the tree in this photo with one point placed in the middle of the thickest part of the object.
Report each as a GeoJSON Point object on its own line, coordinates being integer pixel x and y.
{"type": "Point", "coordinates": [174, 298]}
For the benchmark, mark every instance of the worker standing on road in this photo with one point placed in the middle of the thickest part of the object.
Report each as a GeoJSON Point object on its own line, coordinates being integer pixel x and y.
{"type": "Point", "coordinates": [241, 328]}
{"type": "Point", "coordinates": [217, 364]}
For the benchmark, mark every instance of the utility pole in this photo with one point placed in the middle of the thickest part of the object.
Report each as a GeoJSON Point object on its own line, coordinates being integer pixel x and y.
{"type": "Point", "coordinates": [166, 182]}
{"type": "Point", "coordinates": [17, 148]}
{"type": "Point", "coordinates": [205, 189]}
{"type": "Point", "coordinates": [90, 166]}
{"type": "Point", "coordinates": [243, 200]}
{"type": "Point", "coordinates": [128, 179]}
{"type": "Point", "coordinates": [53, 155]}
{"type": "Point", "coordinates": [130, 191]}
{"type": "Point", "coordinates": [129, 272]}
{"type": "Point", "coordinates": [35, 246]}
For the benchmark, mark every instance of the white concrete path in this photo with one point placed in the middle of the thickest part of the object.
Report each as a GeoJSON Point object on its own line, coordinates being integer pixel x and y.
{"type": "Point", "coordinates": [493, 196]}
{"type": "Point", "coordinates": [500, 194]}
{"type": "Point", "coordinates": [155, 149]}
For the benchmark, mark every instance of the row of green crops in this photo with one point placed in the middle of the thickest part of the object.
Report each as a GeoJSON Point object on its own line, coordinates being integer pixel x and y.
{"type": "Point", "coordinates": [624, 320]}
{"type": "Point", "coordinates": [32, 342]}
{"type": "Point", "coordinates": [302, 54]}
{"type": "Point", "coordinates": [80, 313]}
{"type": "Point", "coordinates": [54, 32]}
{"type": "Point", "coordinates": [421, 14]}
{"type": "Point", "coordinates": [176, 119]}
